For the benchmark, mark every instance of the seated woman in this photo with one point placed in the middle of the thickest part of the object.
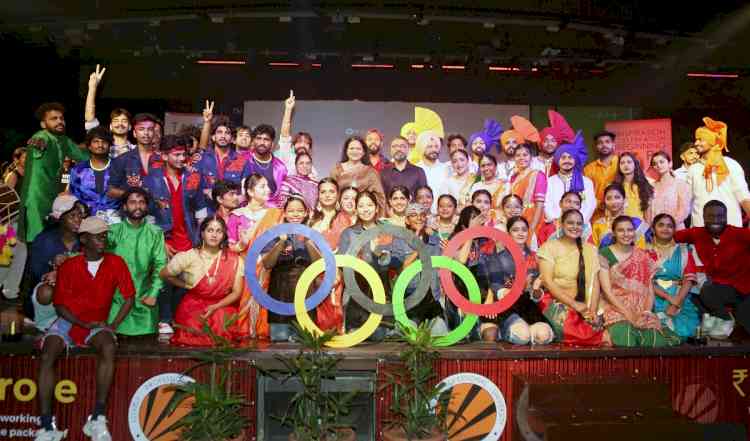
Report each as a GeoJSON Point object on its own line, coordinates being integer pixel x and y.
{"type": "Point", "coordinates": [522, 323]}
{"type": "Point", "coordinates": [423, 195]}
{"type": "Point", "coordinates": [285, 258]}
{"type": "Point", "coordinates": [490, 180]}
{"type": "Point", "coordinates": [430, 308]}
{"type": "Point", "coordinates": [398, 199]}
{"type": "Point", "coordinates": [213, 276]}
{"type": "Point", "coordinates": [568, 269]}
{"type": "Point", "coordinates": [674, 279]}
{"type": "Point", "coordinates": [445, 221]}
{"type": "Point", "coordinates": [300, 183]}
{"type": "Point", "coordinates": [626, 281]}
{"type": "Point", "coordinates": [570, 200]}
{"type": "Point", "coordinates": [614, 206]}
{"type": "Point", "coordinates": [511, 205]}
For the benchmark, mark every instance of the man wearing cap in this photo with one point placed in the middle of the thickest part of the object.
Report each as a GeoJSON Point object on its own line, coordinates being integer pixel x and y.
{"type": "Point", "coordinates": [46, 152]}
{"type": "Point", "coordinates": [89, 179]}
{"type": "Point", "coordinates": [178, 204]}
{"type": "Point", "coordinates": [85, 287]}
{"type": "Point", "coordinates": [130, 169]}
{"type": "Point", "coordinates": [142, 246]}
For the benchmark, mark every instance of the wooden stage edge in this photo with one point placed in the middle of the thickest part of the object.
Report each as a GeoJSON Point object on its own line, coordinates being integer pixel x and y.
{"type": "Point", "coordinates": [150, 347]}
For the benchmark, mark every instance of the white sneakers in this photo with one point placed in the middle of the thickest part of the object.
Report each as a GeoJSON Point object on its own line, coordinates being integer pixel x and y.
{"type": "Point", "coordinates": [165, 328]}
{"type": "Point", "coordinates": [50, 435]}
{"type": "Point", "coordinates": [97, 429]}
{"type": "Point", "coordinates": [716, 328]}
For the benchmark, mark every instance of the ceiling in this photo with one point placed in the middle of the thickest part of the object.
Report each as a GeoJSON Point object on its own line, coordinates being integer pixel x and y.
{"type": "Point", "coordinates": [596, 37]}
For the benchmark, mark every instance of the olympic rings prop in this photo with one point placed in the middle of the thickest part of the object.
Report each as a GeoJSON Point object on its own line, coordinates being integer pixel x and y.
{"type": "Point", "coordinates": [475, 295]}
{"type": "Point", "coordinates": [518, 283]}
{"type": "Point", "coordinates": [265, 299]}
{"type": "Point", "coordinates": [351, 286]}
{"type": "Point", "coordinates": [378, 292]}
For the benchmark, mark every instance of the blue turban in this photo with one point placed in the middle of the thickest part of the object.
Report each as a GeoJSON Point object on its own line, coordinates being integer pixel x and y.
{"type": "Point", "coordinates": [576, 149]}
{"type": "Point", "coordinates": [490, 135]}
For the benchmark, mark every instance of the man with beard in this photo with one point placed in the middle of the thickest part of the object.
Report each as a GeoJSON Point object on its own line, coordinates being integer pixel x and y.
{"type": "Point", "coordinates": [723, 249]}
{"type": "Point", "coordinates": [131, 168]}
{"type": "Point", "coordinates": [220, 160]}
{"type": "Point", "coordinates": [46, 151]}
{"type": "Point", "coordinates": [119, 118]}
{"type": "Point", "coordinates": [374, 140]}
{"type": "Point", "coordinates": [603, 169]}
{"type": "Point", "coordinates": [717, 177]}
{"type": "Point", "coordinates": [264, 163]}
{"type": "Point", "coordinates": [84, 290]}
{"type": "Point", "coordinates": [141, 245]}
{"type": "Point", "coordinates": [435, 171]}
{"type": "Point", "coordinates": [89, 179]}
{"type": "Point", "coordinates": [178, 205]}
{"type": "Point", "coordinates": [689, 156]}
{"type": "Point", "coordinates": [569, 158]}
{"type": "Point", "coordinates": [226, 197]}
{"type": "Point", "coordinates": [401, 171]}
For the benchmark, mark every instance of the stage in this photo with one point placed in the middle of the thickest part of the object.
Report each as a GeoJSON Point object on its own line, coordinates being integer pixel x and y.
{"type": "Point", "coordinates": [550, 390]}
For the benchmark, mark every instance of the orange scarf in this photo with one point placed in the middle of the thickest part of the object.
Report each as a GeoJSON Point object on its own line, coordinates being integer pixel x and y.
{"type": "Point", "coordinates": [714, 133]}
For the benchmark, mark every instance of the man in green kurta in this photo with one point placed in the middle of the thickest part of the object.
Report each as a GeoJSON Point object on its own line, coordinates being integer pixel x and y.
{"type": "Point", "coordinates": [141, 245]}
{"type": "Point", "coordinates": [46, 151]}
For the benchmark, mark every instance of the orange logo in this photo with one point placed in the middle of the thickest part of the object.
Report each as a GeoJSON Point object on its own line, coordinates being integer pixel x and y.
{"type": "Point", "coordinates": [477, 408]}
{"type": "Point", "coordinates": [148, 415]}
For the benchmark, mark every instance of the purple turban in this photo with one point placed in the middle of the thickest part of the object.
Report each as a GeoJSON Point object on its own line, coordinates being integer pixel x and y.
{"type": "Point", "coordinates": [490, 135]}
{"type": "Point", "coordinates": [576, 149]}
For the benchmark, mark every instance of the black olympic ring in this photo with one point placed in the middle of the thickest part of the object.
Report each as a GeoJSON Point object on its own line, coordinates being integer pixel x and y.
{"type": "Point", "coordinates": [425, 280]}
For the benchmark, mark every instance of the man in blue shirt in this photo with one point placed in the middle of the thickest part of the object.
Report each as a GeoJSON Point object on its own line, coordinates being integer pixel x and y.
{"type": "Point", "coordinates": [89, 179]}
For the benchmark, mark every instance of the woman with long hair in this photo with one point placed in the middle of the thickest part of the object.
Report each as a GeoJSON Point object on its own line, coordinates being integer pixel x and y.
{"type": "Point", "coordinates": [300, 183]}
{"type": "Point", "coordinates": [530, 185]}
{"type": "Point", "coordinates": [459, 183]}
{"type": "Point", "coordinates": [355, 170]}
{"type": "Point", "coordinates": [674, 280]}
{"type": "Point", "coordinates": [423, 195]}
{"type": "Point", "coordinates": [638, 192]}
{"type": "Point", "coordinates": [522, 323]}
{"type": "Point", "coordinates": [213, 275]}
{"type": "Point", "coordinates": [614, 206]}
{"type": "Point", "coordinates": [671, 195]}
{"type": "Point", "coordinates": [244, 226]}
{"type": "Point", "coordinates": [626, 281]}
{"type": "Point", "coordinates": [569, 269]}
{"type": "Point", "coordinates": [445, 221]}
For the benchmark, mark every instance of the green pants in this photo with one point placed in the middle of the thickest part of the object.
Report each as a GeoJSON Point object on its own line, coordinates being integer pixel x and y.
{"type": "Point", "coordinates": [626, 335]}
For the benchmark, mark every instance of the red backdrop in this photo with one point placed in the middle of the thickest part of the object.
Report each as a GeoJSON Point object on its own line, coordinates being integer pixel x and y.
{"type": "Point", "coordinates": [644, 137]}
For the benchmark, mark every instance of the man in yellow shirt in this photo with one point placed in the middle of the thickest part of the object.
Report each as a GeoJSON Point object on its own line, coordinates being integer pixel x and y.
{"type": "Point", "coordinates": [603, 169]}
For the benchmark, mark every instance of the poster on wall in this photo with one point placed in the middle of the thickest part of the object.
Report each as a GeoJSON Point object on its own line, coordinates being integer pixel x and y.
{"type": "Point", "coordinates": [642, 137]}
{"type": "Point", "coordinates": [175, 122]}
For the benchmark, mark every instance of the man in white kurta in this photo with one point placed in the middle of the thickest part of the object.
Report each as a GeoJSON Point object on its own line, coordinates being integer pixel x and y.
{"type": "Point", "coordinates": [732, 191]}
{"type": "Point", "coordinates": [557, 186]}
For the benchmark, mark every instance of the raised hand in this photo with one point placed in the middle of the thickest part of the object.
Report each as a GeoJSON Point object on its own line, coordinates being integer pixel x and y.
{"type": "Point", "coordinates": [289, 103]}
{"type": "Point", "coordinates": [208, 111]}
{"type": "Point", "coordinates": [96, 77]}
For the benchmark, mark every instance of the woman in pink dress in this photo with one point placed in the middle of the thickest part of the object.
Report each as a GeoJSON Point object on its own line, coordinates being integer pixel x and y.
{"type": "Point", "coordinates": [671, 195]}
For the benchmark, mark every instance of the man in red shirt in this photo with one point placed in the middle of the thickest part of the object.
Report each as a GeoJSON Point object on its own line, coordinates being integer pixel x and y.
{"type": "Point", "coordinates": [724, 251]}
{"type": "Point", "coordinates": [83, 296]}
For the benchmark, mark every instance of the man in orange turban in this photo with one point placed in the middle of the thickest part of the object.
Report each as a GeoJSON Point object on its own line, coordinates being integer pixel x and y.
{"type": "Point", "coordinates": [717, 176]}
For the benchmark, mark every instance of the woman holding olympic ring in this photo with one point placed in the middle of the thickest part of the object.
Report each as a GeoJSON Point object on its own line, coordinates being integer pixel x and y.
{"type": "Point", "coordinates": [523, 323]}
{"type": "Point", "coordinates": [245, 224]}
{"type": "Point", "coordinates": [377, 254]}
{"type": "Point", "coordinates": [285, 258]}
{"type": "Point", "coordinates": [330, 220]}
{"type": "Point", "coordinates": [569, 269]}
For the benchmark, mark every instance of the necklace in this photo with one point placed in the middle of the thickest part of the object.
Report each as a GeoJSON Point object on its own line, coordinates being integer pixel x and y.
{"type": "Point", "coordinates": [212, 277]}
{"type": "Point", "coordinates": [663, 250]}
{"type": "Point", "coordinates": [106, 166]}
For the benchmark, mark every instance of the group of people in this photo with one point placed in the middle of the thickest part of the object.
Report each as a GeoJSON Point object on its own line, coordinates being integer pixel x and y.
{"type": "Point", "coordinates": [151, 236]}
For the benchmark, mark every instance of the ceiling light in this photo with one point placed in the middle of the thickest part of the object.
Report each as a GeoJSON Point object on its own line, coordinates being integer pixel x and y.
{"type": "Point", "coordinates": [353, 20]}
{"type": "Point", "coordinates": [553, 28]}
{"type": "Point", "coordinates": [285, 19]}
{"type": "Point", "coordinates": [488, 25]}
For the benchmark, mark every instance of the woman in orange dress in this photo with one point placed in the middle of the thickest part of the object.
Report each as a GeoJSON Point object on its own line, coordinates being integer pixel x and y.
{"type": "Point", "coordinates": [245, 225]}
{"type": "Point", "coordinates": [530, 185]}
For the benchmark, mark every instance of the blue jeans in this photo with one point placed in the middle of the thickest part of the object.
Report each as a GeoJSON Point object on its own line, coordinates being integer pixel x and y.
{"type": "Point", "coordinates": [168, 301]}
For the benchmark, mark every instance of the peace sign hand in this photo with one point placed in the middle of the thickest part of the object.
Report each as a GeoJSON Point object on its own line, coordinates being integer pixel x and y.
{"type": "Point", "coordinates": [208, 111]}
{"type": "Point", "coordinates": [289, 103]}
{"type": "Point", "coordinates": [96, 77]}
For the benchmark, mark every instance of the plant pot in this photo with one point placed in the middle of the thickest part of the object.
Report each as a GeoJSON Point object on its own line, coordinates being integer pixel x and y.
{"type": "Point", "coordinates": [344, 435]}
{"type": "Point", "coordinates": [398, 434]}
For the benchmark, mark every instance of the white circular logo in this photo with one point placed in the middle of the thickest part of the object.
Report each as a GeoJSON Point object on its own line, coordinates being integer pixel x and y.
{"type": "Point", "coordinates": [148, 414]}
{"type": "Point", "coordinates": [477, 407]}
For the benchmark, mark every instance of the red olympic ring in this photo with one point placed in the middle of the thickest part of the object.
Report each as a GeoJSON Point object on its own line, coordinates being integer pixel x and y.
{"type": "Point", "coordinates": [519, 282]}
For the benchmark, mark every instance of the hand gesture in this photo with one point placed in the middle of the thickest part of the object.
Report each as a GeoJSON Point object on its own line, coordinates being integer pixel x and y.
{"type": "Point", "coordinates": [208, 112]}
{"type": "Point", "coordinates": [283, 238]}
{"type": "Point", "coordinates": [289, 103]}
{"type": "Point", "coordinates": [96, 77]}
{"type": "Point", "coordinates": [149, 301]}
{"type": "Point", "coordinates": [478, 220]}
{"type": "Point", "coordinates": [673, 310]}
{"type": "Point", "coordinates": [208, 312]}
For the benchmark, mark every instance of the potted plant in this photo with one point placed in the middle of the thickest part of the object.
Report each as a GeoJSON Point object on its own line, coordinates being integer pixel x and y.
{"type": "Point", "coordinates": [314, 413]}
{"type": "Point", "coordinates": [418, 406]}
{"type": "Point", "coordinates": [216, 413]}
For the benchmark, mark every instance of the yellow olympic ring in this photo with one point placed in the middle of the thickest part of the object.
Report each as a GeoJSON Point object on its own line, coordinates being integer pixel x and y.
{"type": "Point", "coordinates": [376, 286]}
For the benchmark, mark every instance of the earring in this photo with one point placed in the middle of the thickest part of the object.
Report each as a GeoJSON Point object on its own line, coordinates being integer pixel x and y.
{"type": "Point", "coordinates": [338, 206]}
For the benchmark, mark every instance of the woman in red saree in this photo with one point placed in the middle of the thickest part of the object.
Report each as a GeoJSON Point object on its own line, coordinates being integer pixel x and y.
{"type": "Point", "coordinates": [213, 276]}
{"type": "Point", "coordinates": [330, 221]}
{"type": "Point", "coordinates": [245, 225]}
{"type": "Point", "coordinates": [530, 185]}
